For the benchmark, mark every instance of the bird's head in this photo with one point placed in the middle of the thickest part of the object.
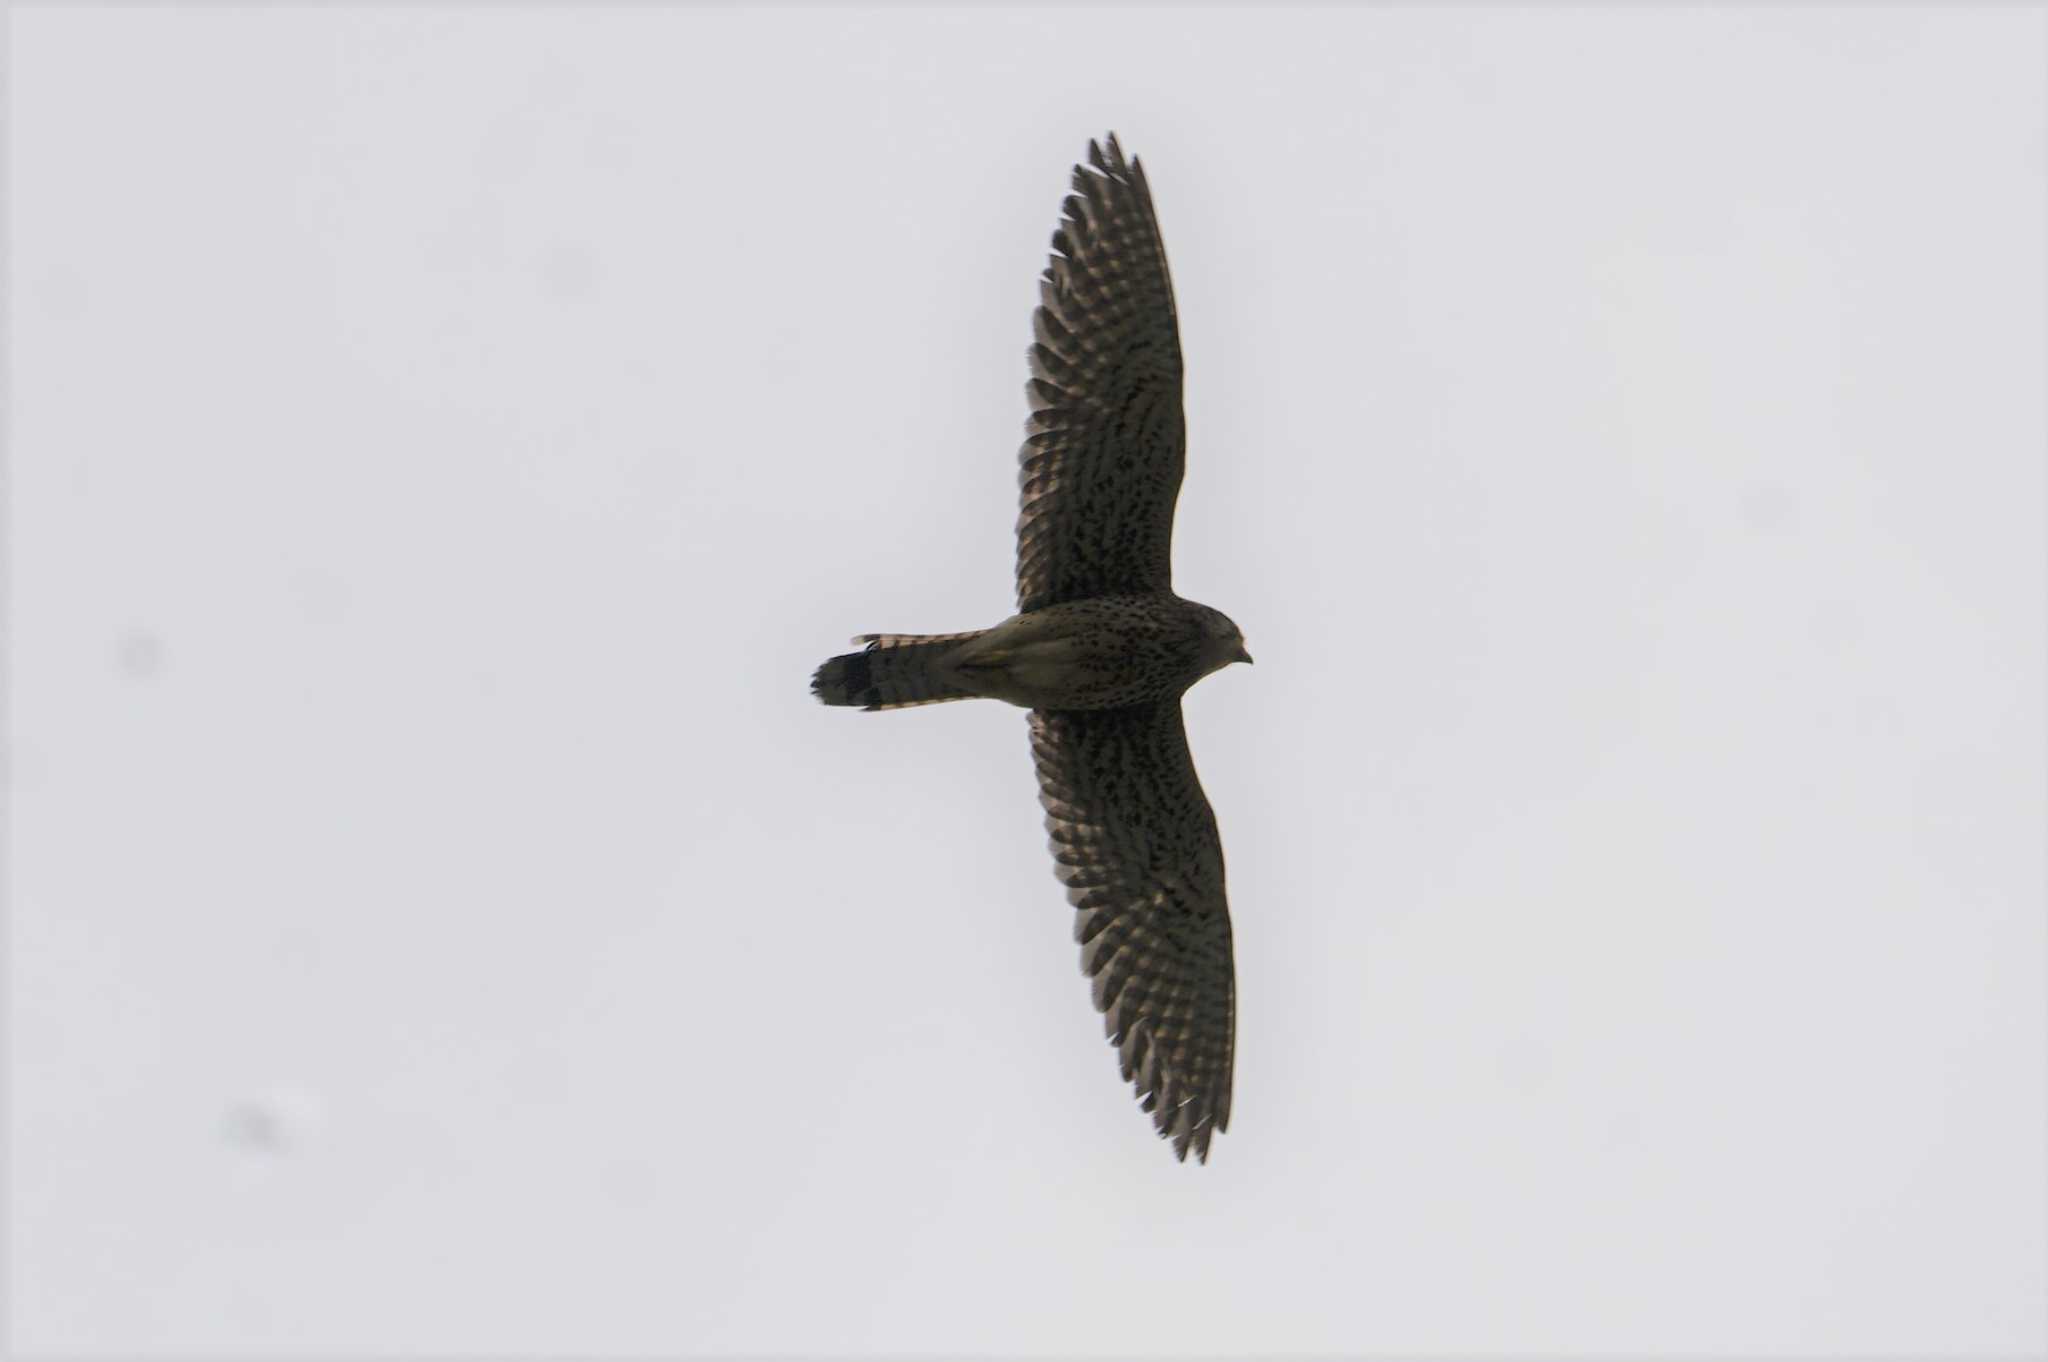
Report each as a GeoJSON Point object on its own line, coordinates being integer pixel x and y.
{"type": "Point", "coordinates": [1222, 641]}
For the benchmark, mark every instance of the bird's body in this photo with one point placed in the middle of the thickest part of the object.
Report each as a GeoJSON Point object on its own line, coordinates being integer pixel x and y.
{"type": "Point", "coordinates": [1101, 650]}
{"type": "Point", "coordinates": [1101, 653]}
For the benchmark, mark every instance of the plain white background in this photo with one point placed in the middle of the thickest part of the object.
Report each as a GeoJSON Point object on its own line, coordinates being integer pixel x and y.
{"type": "Point", "coordinates": [444, 440]}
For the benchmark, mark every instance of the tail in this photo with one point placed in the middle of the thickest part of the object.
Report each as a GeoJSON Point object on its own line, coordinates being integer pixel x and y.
{"type": "Point", "coordinates": [893, 671]}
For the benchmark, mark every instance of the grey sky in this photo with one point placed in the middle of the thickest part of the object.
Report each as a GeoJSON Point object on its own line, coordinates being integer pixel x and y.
{"type": "Point", "coordinates": [443, 442]}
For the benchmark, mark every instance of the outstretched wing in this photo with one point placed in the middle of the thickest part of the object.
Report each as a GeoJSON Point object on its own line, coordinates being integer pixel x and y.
{"type": "Point", "coordinates": [1102, 460]}
{"type": "Point", "coordinates": [1135, 842]}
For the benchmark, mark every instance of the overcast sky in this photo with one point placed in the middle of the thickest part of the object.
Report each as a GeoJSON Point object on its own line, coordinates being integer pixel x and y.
{"type": "Point", "coordinates": [443, 441]}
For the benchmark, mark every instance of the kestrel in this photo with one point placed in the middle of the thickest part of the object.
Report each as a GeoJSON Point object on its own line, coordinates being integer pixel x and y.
{"type": "Point", "coordinates": [1101, 650]}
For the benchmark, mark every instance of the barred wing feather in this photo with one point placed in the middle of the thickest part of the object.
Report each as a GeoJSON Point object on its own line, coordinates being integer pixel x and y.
{"type": "Point", "coordinates": [1102, 459]}
{"type": "Point", "coordinates": [1135, 842]}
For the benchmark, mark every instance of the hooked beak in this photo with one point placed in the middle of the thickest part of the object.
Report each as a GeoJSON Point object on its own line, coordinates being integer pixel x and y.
{"type": "Point", "coordinates": [1242, 655]}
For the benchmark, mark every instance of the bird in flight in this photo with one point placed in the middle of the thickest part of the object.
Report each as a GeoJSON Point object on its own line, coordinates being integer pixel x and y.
{"type": "Point", "coordinates": [1101, 651]}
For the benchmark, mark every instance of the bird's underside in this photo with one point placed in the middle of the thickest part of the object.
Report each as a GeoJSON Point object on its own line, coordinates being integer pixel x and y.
{"type": "Point", "coordinates": [1101, 650]}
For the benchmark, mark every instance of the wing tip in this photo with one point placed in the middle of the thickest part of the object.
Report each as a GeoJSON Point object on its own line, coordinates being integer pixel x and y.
{"type": "Point", "coordinates": [1106, 158]}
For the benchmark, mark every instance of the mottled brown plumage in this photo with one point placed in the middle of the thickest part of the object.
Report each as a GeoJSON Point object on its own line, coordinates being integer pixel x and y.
{"type": "Point", "coordinates": [1101, 650]}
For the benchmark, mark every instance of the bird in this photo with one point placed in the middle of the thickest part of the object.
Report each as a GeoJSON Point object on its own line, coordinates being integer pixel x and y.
{"type": "Point", "coordinates": [1100, 651]}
